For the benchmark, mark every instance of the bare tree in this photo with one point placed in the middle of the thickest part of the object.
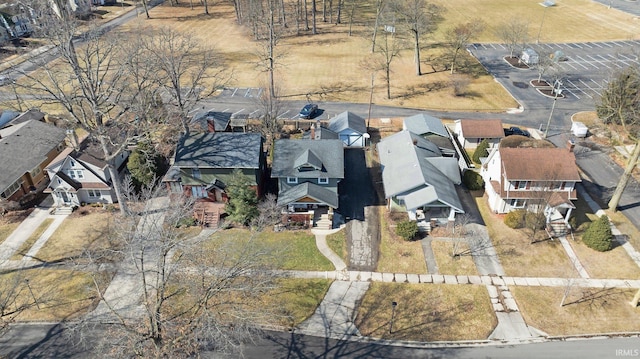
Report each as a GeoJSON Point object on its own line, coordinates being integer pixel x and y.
{"type": "Point", "coordinates": [420, 18]}
{"type": "Point", "coordinates": [271, 107]}
{"type": "Point", "coordinates": [269, 212]}
{"type": "Point", "coordinates": [387, 51]}
{"type": "Point", "coordinates": [460, 36]}
{"type": "Point", "coordinates": [193, 297]}
{"type": "Point", "coordinates": [514, 34]}
{"type": "Point", "coordinates": [380, 5]}
{"type": "Point", "coordinates": [186, 70]}
{"type": "Point", "coordinates": [544, 64]}
{"type": "Point", "coordinates": [268, 57]}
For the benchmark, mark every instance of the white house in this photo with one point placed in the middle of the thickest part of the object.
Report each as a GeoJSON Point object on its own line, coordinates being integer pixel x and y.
{"type": "Point", "coordinates": [78, 177]}
{"type": "Point", "coordinates": [351, 129]}
{"type": "Point", "coordinates": [526, 178]}
{"type": "Point", "coordinates": [471, 132]}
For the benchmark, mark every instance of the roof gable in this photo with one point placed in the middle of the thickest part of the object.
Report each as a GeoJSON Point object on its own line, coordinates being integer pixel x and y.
{"type": "Point", "coordinates": [327, 157]}
{"type": "Point", "coordinates": [347, 120]}
{"type": "Point", "coordinates": [539, 164]}
{"type": "Point", "coordinates": [422, 124]}
{"type": "Point", "coordinates": [482, 128]}
{"type": "Point", "coordinates": [308, 159]}
{"type": "Point", "coordinates": [219, 150]}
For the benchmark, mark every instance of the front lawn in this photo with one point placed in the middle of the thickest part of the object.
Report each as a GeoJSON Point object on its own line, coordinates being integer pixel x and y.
{"type": "Point", "coordinates": [26, 245]}
{"type": "Point", "coordinates": [338, 244]}
{"type": "Point", "coordinates": [296, 299]}
{"type": "Point", "coordinates": [426, 312]}
{"type": "Point", "coordinates": [293, 250]}
{"type": "Point", "coordinates": [396, 254]}
{"type": "Point", "coordinates": [586, 310]}
{"type": "Point", "coordinates": [459, 265]}
{"type": "Point", "coordinates": [518, 256]}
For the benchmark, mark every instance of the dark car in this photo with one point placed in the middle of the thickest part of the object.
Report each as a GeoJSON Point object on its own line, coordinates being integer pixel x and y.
{"type": "Point", "coordinates": [309, 110]}
{"type": "Point", "coordinates": [516, 131]}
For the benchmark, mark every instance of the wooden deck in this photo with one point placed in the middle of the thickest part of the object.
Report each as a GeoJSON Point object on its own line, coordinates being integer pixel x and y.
{"type": "Point", "coordinates": [208, 213]}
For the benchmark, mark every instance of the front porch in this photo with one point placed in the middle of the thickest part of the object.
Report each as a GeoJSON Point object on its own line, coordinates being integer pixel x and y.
{"type": "Point", "coordinates": [306, 216]}
{"type": "Point", "coordinates": [208, 213]}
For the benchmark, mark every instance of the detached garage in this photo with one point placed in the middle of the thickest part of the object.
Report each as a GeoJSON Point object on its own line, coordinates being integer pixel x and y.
{"type": "Point", "coordinates": [351, 129]}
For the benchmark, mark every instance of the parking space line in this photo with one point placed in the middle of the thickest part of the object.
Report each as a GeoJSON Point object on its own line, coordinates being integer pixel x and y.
{"type": "Point", "coordinates": [607, 44]}
{"type": "Point", "coordinates": [211, 109]}
{"type": "Point", "coordinates": [617, 43]}
{"type": "Point", "coordinates": [251, 114]}
{"type": "Point", "coordinates": [598, 61]}
{"type": "Point", "coordinates": [589, 87]}
{"type": "Point", "coordinates": [225, 110]}
{"type": "Point", "coordinates": [598, 88]}
{"type": "Point", "coordinates": [194, 110]}
{"type": "Point", "coordinates": [549, 46]}
{"type": "Point", "coordinates": [574, 45]}
{"type": "Point", "coordinates": [629, 58]}
{"type": "Point", "coordinates": [569, 64]}
{"type": "Point", "coordinates": [259, 92]}
{"type": "Point", "coordinates": [571, 92]}
{"type": "Point", "coordinates": [502, 46]}
{"type": "Point", "coordinates": [579, 62]}
{"type": "Point", "coordinates": [237, 112]}
{"type": "Point", "coordinates": [493, 46]}
{"type": "Point", "coordinates": [247, 93]}
{"type": "Point", "coordinates": [575, 87]}
{"type": "Point", "coordinates": [282, 115]}
{"type": "Point", "coordinates": [613, 62]}
{"type": "Point", "coordinates": [617, 60]}
{"type": "Point", "coordinates": [587, 44]}
{"type": "Point", "coordinates": [596, 44]}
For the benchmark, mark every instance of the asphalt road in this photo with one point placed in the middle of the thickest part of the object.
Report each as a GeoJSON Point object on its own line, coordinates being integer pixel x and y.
{"type": "Point", "coordinates": [46, 341]}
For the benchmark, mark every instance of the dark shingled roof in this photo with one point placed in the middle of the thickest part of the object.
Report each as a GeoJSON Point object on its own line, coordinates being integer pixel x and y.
{"type": "Point", "coordinates": [288, 152]}
{"type": "Point", "coordinates": [25, 146]}
{"type": "Point", "coordinates": [347, 120]}
{"type": "Point", "coordinates": [219, 150]}
{"type": "Point", "coordinates": [311, 190]}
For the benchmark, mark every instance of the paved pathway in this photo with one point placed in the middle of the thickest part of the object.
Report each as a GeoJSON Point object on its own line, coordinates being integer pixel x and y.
{"type": "Point", "coordinates": [573, 258]}
{"type": "Point", "coordinates": [321, 243]}
{"type": "Point", "coordinates": [33, 251]}
{"type": "Point", "coordinates": [429, 257]}
{"type": "Point", "coordinates": [15, 240]}
{"type": "Point", "coordinates": [334, 316]}
{"type": "Point", "coordinates": [361, 253]}
{"type": "Point", "coordinates": [122, 297]}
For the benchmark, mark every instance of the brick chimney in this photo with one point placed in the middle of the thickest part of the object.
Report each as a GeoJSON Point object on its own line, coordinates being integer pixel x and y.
{"type": "Point", "coordinates": [211, 127]}
{"type": "Point", "coordinates": [570, 145]}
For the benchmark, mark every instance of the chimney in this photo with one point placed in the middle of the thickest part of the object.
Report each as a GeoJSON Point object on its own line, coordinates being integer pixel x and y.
{"type": "Point", "coordinates": [570, 145]}
{"type": "Point", "coordinates": [313, 131]}
{"type": "Point", "coordinates": [72, 139]}
{"type": "Point", "coordinates": [211, 127]}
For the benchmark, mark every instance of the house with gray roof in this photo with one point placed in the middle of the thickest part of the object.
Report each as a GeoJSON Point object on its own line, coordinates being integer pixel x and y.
{"type": "Point", "coordinates": [308, 173]}
{"type": "Point", "coordinates": [204, 164]}
{"type": "Point", "coordinates": [350, 128]}
{"type": "Point", "coordinates": [418, 179]}
{"type": "Point", "coordinates": [25, 150]}
{"type": "Point", "coordinates": [432, 129]}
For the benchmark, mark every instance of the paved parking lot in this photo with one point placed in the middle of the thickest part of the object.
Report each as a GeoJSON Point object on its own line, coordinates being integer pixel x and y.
{"type": "Point", "coordinates": [586, 71]}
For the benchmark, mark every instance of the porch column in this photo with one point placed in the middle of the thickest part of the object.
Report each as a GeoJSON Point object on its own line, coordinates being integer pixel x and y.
{"type": "Point", "coordinates": [566, 217]}
{"type": "Point", "coordinates": [452, 214]}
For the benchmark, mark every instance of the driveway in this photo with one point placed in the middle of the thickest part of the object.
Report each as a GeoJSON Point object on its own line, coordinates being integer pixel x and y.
{"type": "Point", "coordinates": [357, 206]}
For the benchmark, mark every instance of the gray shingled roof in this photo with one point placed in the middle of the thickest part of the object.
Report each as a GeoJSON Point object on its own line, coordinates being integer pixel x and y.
{"type": "Point", "coordinates": [219, 150]}
{"type": "Point", "coordinates": [422, 124]}
{"type": "Point", "coordinates": [308, 189]}
{"type": "Point", "coordinates": [412, 169]}
{"type": "Point", "coordinates": [347, 120]}
{"type": "Point", "coordinates": [321, 133]}
{"type": "Point", "coordinates": [25, 146]}
{"type": "Point", "coordinates": [329, 152]}
{"type": "Point", "coordinates": [221, 120]}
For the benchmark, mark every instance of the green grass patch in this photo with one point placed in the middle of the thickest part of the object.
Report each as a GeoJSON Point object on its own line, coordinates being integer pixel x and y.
{"type": "Point", "coordinates": [426, 312]}
{"type": "Point", "coordinates": [26, 245]}
{"type": "Point", "coordinates": [338, 244]}
{"type": "Point", "coordinates": [294, 250]}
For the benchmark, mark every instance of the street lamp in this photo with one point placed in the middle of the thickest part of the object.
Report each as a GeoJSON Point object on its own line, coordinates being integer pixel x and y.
{"type": "Point", "coordinates": [31, 291]}
{"type": "Point", "coordinates": [557, 91]}
{"type": "Point", "coordinates": [393, 315]}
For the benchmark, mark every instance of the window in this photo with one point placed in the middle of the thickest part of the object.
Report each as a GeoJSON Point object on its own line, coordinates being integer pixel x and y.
{"type": "Point", "coordinates": [93, 193]}
{"type": "Point", "coordinates": [562, 185]}
{"type": "Point", "coordinates": [199, 192]}
{"type": "Point", "coordinates": [521, 184]}
{"type": "Point", "coordinates": [36, 171]}
{"type": "Point", "coordinates": [195, 172]}
{"type": "Point", "coordinates": [76, 174]}
{"type": "Point", "coordinates": [323, 181]}
{"type": "Point", "coordinates": [517, 203]}
{"type": "Point", "coordinates": [73, 163]}
{"type": "Point", "coordinates": [292, 179]}
{"type": "Point", "coordinates": [11, 189]}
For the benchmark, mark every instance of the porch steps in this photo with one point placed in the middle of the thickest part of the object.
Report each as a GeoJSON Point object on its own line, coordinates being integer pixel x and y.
{"type": "Point", "coordinates": [558, 229]}
{"type": "Point", "coordinates": [424, 226]}
{"type": "Point", "coordinates": [324, 222]}
{"type": "Point", "coordinates": [210, 219]}
{"type": "Point", "coordinates": [65, 210]}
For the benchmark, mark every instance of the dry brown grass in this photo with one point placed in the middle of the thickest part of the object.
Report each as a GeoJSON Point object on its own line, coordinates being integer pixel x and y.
{"type": "Point", "coordinates": [601, 310]}
{"type": "Point", "coordinates": [295, 299]}
{"type": "Point", "coordinates": [460, 265]}
{"type": "Point", "coordinates": [60, 294]}
{"type": "Point", "coordinates": [518, 256]}
{"type": "Point", "coordinates": [615, 263]}
{"type": "Point", "coordinates": [426, 312]}
{"type": "Point", "coordinates": [396, 254]}
{"type": "Point", "coordinates": [26, 245]}
{"type": "Point", "coordinates": [76, 233]}
{"type": "Point", "coordinates": [6, 228]}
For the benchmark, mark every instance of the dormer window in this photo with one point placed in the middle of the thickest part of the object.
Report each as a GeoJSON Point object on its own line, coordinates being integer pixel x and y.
{"type": "Point", "coordinates": [292, 179]}
{"type": "Point", "coordinates": [305, 169]}
{"type": "Point", "coordinates": [323, 181]}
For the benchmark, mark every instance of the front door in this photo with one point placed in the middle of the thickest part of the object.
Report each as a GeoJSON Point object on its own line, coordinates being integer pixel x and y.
{"type": "Point", "coordinates": [64, 197]}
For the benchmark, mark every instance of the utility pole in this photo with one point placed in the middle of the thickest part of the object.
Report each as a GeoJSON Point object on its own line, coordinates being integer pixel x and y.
{"type": "Point", "coordinates": [557, 92]}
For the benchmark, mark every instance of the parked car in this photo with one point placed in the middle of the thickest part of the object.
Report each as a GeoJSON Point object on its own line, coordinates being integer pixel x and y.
{"type": "Point", "coordinates": [309, 110]}
{"type": "Point", "coordinates": [513, 130]}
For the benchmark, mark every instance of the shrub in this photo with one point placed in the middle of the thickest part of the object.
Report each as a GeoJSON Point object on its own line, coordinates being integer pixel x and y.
{"type": "Point", "coordinates": [534, 221]}
{"type": "Point", "coordinates": [481, 151]}
{"type": "Point", "coordinates": [598, 235]}
{"type": "Point", "coordinates": [186, 222]}
{"type": "Point", "coordinates": [515, 219]}
{"type": "Point", "coordinates": [473, 180]}
{"type": "Point", "coordinates": [407, 230]}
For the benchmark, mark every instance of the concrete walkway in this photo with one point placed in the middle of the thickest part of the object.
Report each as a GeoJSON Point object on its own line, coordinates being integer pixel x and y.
{"type": "Point", "coordinates": [334, 316]}
{"type": "Point", "coordinates": [33, 251]}
{"type": "Point", "coordinates": [122, 297]}
{"type": "Point", "coordinates": [573, 258]}
{"type": "Point", "coordinates": [429, 257]}
{"type": "Point", "coordinates": [15, 240]}
{"type": "Point", "coordinates": [321, 243]}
